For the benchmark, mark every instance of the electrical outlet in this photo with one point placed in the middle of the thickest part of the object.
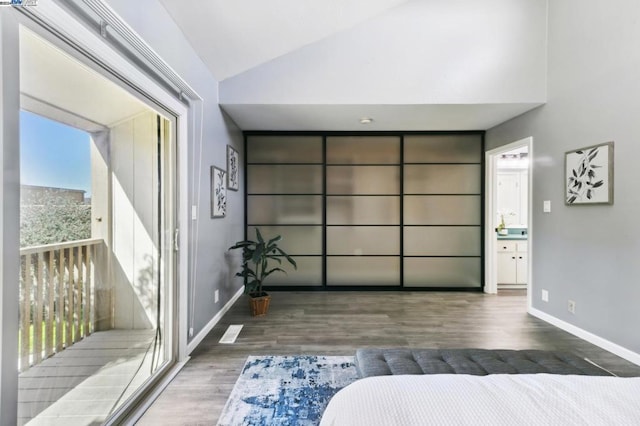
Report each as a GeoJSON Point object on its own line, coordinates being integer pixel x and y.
{"type": "Point", "coordinates": [191, 332]}
{"type": "Point", "coordinates": [194, 212]}
{"type": "Point", "coordinates": [571, 306]}
{"type": "Point", "coordinates": [545, 295]}
{"type": "Point", "coordinates": [216, 296]}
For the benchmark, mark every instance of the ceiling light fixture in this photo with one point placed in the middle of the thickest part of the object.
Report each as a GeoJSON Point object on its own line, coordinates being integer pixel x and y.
{"type": "Point", "coordinates": [366, 120]}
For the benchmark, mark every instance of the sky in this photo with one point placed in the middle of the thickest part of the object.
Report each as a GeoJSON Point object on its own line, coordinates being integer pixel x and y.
{"type": "Point", "coordinates": [53, 154]}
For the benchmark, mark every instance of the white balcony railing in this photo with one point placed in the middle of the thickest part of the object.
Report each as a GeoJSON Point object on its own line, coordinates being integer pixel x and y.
{"type": "Point", "coordinates": [57, 298]}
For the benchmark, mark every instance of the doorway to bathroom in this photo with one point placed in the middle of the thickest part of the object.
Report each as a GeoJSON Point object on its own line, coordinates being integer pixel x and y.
{"type": "Point", "coordinates": [512, 177]}
{"type": "Point", "coordinates": [508, 218]}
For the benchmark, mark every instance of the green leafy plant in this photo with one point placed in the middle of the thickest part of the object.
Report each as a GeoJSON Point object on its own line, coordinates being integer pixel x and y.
{"type": "Point", "coordinates": [256, 256]}
{"type": "Point", "coordinates": [502, 225]}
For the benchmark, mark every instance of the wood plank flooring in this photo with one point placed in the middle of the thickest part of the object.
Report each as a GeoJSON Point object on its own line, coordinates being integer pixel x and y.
{"type": "Point", "coordinates": [82, 384]}
{"type": "Point", "coordinates": [337, 323]}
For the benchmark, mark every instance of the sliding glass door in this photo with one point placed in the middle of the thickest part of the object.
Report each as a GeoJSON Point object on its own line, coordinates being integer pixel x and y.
{"type": "Point", "coordinates": [363, 210]}
{"type": "Point", "coordinates": [284, 197]}
{"type": "Point", "coordinates": [97, 288]}
{"type": "Point", "coordinates": [442, 210]}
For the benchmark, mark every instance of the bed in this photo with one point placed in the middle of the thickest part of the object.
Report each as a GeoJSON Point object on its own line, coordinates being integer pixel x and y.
{"type": "Point", "coordinates": [495, 399]}
{"type": "Point", "coordinates": [407, 386]}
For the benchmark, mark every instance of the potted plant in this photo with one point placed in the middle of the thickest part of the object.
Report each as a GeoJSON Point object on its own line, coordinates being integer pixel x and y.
{"type": "Point", "coordinates": [256, 256]}
{"type": "Point", "coordinates": [502, 227]}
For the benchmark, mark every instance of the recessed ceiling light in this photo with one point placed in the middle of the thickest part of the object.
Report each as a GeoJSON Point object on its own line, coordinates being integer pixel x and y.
{"type": "Point", "coordinates": [366, 120]}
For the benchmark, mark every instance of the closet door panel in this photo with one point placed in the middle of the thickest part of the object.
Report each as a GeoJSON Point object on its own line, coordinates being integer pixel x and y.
{"type": "Point", "coordinates": [442, 210]}
{"type": "Point", "coordinates": [363, 271]}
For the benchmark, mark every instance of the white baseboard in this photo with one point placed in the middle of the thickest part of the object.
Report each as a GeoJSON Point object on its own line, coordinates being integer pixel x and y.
{"type": "Point", "coordinates": [207, 328]}
{"type": "Point", "coordinates": [589, 337]}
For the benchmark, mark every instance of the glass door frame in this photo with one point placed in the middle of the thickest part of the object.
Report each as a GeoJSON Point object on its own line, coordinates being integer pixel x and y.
{"type": "Point", "coordinates": [58, 26]}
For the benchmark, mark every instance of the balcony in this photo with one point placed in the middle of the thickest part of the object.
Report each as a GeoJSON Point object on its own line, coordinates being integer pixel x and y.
{"type": "Point", "coordinates": [75, 367]}
{"type": "Point", "coordinates": [57, 298]}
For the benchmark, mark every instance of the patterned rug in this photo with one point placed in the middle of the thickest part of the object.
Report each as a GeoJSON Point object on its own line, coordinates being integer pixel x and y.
{"type": "Point", "coordinates": [286, 390]}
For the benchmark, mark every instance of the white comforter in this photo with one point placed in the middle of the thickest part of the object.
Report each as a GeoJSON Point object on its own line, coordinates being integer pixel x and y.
{"type": "Point", "coordinates": [499, 399]}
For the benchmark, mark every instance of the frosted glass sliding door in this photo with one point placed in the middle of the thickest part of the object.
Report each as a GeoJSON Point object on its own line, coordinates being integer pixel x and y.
{"type": "Point", "coordinates": [285, 181]}
{"type": "Point", "coordinates": [363, 210]}
{"type": "Point", "coordinates": [376, 210]}
{"type": "Point", "coordinates": [442, 210]}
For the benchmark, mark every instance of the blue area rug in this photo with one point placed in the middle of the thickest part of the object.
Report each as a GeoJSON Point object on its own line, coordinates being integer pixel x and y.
{"type": "Point", "coordinates": [286, 390]}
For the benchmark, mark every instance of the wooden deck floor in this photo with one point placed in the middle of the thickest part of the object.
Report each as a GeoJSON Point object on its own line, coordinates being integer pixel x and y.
{"type": "Point", "coordinates": [84, 383]}
{"type": "Point", "coordinates": [336, 323]}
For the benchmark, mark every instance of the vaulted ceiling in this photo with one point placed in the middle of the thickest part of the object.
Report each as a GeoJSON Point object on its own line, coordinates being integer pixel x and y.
{"type": "Point", "coordinates": [408, 64]}
{"type": "Point", "coordinates": [234, 36]}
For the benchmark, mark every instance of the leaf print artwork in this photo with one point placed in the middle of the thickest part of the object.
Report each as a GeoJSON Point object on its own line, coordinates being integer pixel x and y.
{"type": "Point", "coordinates": [233, 174]}
{"type": "Point", "coordinates": [233, 170]}
{"type": "Point", "coordinates": [588, 174]}
{"type": "Point", "coordinates": [218, 192]}
{"type": "Point", "coordinates": [221, 197]}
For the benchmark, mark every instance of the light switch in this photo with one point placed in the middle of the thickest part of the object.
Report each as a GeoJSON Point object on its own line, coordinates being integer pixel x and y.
{"type": "Point", "coordinates": [194, 212]}
{"type": "Point", "coordinates": [546, 206]}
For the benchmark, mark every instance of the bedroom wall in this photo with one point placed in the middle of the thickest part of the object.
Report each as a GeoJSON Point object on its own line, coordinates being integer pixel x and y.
{"type": "Point", "coordinates": [587, 254]}
{"type": "Point", "coordinates": [210, 264]}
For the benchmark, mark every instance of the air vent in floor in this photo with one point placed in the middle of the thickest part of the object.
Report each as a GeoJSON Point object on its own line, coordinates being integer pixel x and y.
{"type": "Point", "coordinates": [231, 334]}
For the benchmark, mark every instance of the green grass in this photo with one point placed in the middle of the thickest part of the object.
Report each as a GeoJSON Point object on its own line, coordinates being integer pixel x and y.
{"type": "Point", "coordinates": [64, 335]}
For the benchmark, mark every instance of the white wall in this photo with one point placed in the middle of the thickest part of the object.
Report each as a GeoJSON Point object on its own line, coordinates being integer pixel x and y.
{"type": "Point", "coordinates": [101, 228]}
{"type": "Point", "coordinates": [210, 263]}
{"type": "Point", "coordinates": [134, 185]}
{"type": "Point", "coordinates": [422, 52]}
{"type": "Point", "coordinates": [587, 254]}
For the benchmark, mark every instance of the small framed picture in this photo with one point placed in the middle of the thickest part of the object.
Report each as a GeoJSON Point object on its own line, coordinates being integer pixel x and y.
{"type": "Point", "coordinates": [233, 170]}
{"type": "Point", "coordinates": [218, 192]}
{"type": "Point", "coordinates": [589, 175]}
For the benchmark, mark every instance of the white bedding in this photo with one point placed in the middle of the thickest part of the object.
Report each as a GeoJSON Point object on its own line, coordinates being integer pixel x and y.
{"type": "Point", "coordinates": [498, 399]}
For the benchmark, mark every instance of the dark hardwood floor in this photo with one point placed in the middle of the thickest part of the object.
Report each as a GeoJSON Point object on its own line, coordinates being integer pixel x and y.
{"type": "Point", "coordinates": [336, 323]}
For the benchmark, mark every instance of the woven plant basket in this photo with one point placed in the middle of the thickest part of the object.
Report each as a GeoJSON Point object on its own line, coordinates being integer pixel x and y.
{"type": "Point", "coordinates": [259, 305]}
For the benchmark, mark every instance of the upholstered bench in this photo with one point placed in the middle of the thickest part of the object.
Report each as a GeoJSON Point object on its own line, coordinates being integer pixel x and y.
{"type": "Point", "coordinates": [479, 362]}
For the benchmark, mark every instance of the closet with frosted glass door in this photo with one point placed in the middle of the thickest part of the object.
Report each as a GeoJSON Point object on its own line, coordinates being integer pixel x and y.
{"type": "Point", "coordinates": [380, 210]}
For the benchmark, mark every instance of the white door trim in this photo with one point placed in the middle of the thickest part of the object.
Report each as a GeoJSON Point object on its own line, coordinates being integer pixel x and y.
{"type": "Point", "coordinates": [490, 242]}
{"type": "Point", "coordinates": [9, 214]}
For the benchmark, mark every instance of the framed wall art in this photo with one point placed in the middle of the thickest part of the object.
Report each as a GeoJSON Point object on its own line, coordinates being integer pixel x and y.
{"type": "Point", "coordinates": [233, 170]}
{"type": "Point", "coordinates": [218, 192]}
{"type": "Point", "coordinates": [589, 175]}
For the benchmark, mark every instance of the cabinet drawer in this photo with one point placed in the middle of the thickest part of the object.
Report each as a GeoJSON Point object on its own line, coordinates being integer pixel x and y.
{"type": "Point", "coordinates": [506, 246]}
{"type": "Point", "coordinates": [522, 246]}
